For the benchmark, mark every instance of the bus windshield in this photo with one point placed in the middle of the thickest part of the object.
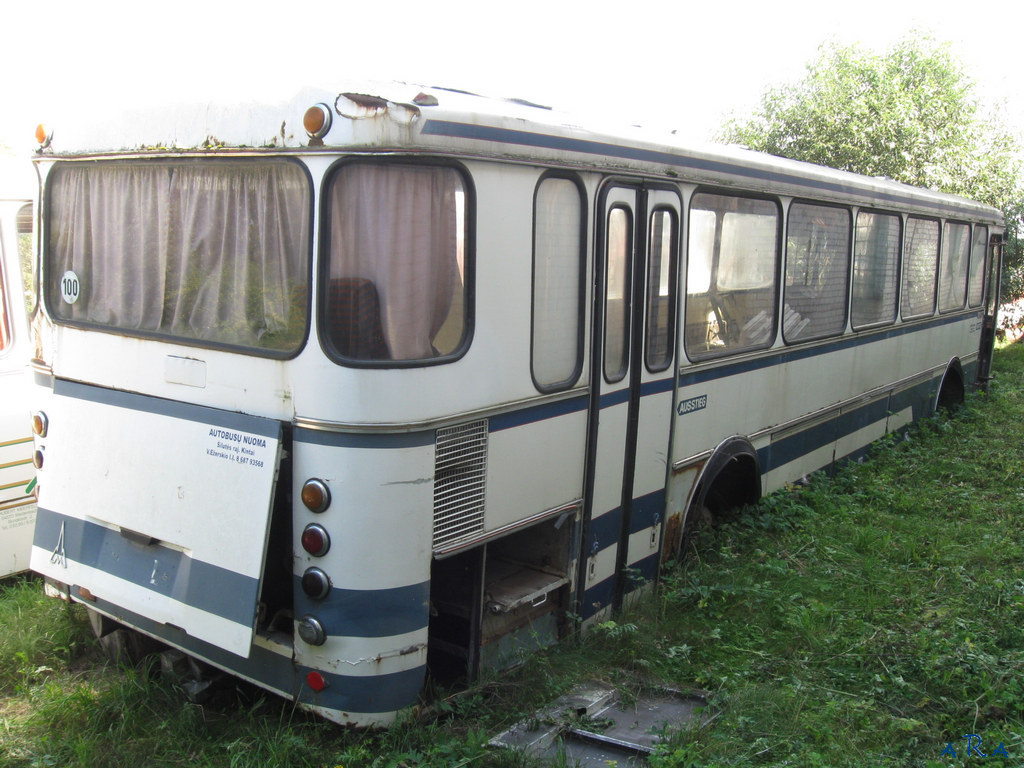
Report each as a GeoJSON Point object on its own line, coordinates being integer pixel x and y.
{"type": "Point", "coordinates": [209, 251]}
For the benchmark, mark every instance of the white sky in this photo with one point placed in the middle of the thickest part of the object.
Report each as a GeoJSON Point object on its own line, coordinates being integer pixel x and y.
{"type": "Point", "coordinates": [668, 63]}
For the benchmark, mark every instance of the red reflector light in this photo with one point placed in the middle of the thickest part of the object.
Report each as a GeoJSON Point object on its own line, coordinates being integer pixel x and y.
{"type": "Point", "coordinates": [316, 681]}
{"type": "Point", "coordinates": [315, 540]}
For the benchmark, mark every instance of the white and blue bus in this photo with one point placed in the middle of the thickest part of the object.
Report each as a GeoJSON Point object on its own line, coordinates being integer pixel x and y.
{"type": "Point", "coordinates": [384, 392]}
{"type": "Point", "coordinates": [17, 504]}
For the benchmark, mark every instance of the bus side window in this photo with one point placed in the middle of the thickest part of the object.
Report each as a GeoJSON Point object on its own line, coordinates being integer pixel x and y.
{"type": "Point", "coordinates": [559, 242]}
{"type": "Point", "coordinates": [976, 288]}
{"type": "Point", "coordinates": [25, 256]}
{"type": "Point", "coordinates": [817, 266]}
{"type": "Point", "coordinates": [956, 252]}
{"type": "Point", "coordinates": [731, 275]}
{"type": "Point", "coordinates": [876, 257]}
{"type": "Point", "coordinates": [920, 267]}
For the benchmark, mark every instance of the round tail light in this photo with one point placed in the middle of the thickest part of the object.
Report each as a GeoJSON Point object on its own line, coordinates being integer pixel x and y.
{"type": "Point", "coordinates": [316, 583]}
{"type": "Point", "coordinates": [316, 495]}
{"type": "Point", "coordinates": [315, 540]}
{"type": "Point", "coordinates": [312, 631]}
{"type": "Point", "coordinates": [40, 424]}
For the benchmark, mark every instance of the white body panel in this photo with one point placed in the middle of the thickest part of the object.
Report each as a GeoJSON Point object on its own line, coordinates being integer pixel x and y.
{"type": "Point", "coordinates": [197, 494]}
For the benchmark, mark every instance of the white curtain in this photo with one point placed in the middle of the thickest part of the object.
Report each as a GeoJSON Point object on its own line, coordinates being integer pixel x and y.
{"type": "Point", "coordinates": [208, 250]}
{"type": "Point", "coordinates": [399, 226]}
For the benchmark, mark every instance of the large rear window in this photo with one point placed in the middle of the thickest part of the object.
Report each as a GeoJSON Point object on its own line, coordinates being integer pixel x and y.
{"type": "Point", "coordinates": [214, 252]}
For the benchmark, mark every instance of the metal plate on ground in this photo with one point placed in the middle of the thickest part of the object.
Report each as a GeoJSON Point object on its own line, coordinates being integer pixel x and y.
{"type": "Point", "coordinates": [593, 726]}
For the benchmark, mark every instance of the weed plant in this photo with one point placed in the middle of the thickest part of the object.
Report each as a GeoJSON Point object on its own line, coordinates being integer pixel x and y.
{"type": "Point", "coordinates": [865, 619]}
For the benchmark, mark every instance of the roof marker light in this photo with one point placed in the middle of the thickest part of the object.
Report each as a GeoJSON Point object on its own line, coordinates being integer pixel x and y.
{"type": "Point", "coordinates": [43, 136]}
{"type": "Point", "coordinates": [317, 121]}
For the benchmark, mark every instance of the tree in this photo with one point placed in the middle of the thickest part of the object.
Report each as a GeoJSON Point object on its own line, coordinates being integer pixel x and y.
{"type": "Point", "coordinates": [911, 114]}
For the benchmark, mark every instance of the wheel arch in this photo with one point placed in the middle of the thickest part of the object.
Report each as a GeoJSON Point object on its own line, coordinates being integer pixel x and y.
{"type": "Point", "coordinates": [951, 389]}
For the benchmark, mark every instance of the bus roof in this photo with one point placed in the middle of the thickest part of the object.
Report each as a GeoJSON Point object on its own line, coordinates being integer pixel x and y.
{"type": "Point", "coordinates": [398, 117]}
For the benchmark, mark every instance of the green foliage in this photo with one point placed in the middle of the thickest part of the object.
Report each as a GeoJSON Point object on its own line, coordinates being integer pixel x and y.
{"type": "Point", "coordinates": [911, 114]}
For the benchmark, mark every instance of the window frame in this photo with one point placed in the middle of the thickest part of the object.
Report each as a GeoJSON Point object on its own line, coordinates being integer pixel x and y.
{"type": "Point", "coordinates": [897, 272]}
{"type": "Point", "coordinates": [903, 267]}
{"type": "Point", "coordinates": [469, 259]}
{"type": "Point", "coordinates": [847, 273]}
{"type": "Point", "coordinates": [577, 371]}
{"type": "Point", "coordinates": [673, 288]}
{"type": "Point", "coordinates": [776, 203]}
{"type": "Point", "coordinates": [985, 255]}
{"type": "Point", "coordinates": [45, 293]}
{"type": "Point", "coordinates": [627, 292]}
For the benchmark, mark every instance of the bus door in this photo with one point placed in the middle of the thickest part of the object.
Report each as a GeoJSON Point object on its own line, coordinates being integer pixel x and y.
{"type": "Point", "coordinates": [633, 377]}
{"type": "Point", "coordinates": [988, 323]}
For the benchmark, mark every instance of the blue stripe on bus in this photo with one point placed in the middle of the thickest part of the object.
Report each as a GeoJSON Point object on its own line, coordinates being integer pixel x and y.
{"type": "Point", "coordinates": [177, 576]}
{"type": "Point", "coordinates": [368, 613]}
{"type": "Point", "coordinates": [186, 411]}
{"type": "Point", "coordinates": [537, 413]}
{"type": "Point", "coordinates": [598, 597]}
{"type": "Point", "coordinates": [791, 448]}
{"type": "Point", "coordinates": [643, 512]}
{"type": "Point", "coordinates": [373, 694]}
{"type": "Point", "coordinates": [370, 694]}
{"type": "Point", "coordinates": [792, 354]}
{"type": "Point", "coordinates": [677, 160]}
{"type": "Point", "coordinates": [644, 570]}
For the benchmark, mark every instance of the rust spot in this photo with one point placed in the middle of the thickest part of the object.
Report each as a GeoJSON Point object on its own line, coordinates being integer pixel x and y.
{"type": "Point", "coordinates": [673, 536]}
{"type": "Point", "coordinates": [366, 101]}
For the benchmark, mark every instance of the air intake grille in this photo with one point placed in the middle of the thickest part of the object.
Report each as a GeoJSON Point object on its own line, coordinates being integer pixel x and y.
{"type": "Point", "coordinates": [460, 475]}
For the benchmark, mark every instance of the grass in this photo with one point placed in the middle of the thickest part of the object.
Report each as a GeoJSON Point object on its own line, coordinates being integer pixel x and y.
{"type": "Point", "coordinates": [865, 620]}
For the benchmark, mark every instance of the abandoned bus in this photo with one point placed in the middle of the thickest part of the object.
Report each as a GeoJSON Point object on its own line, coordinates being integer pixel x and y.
{"type": "Point", "coordinates": [17, 505]}
{"type": "Point", "coordinates": [399, 384]}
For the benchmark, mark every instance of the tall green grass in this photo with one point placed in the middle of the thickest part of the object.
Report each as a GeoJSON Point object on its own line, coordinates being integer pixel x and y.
{"type": "Point", "coordinates": [864, 620]}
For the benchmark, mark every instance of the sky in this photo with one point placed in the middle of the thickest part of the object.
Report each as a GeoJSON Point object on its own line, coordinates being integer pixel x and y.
{"type": "Point", "coordinates": [676, 64]}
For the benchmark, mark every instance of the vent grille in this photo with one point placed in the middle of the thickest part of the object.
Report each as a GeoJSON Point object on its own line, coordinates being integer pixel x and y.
{"type": "Point", "coordinates": [460, 474]}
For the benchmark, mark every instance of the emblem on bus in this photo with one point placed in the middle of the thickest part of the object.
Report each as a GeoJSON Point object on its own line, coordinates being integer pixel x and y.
{"type": "Point", "coordinates": [59, 556]}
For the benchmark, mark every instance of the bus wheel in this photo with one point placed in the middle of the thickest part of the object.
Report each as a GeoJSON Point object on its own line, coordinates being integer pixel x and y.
{"type": "Point", "coordinates": [123, 646]}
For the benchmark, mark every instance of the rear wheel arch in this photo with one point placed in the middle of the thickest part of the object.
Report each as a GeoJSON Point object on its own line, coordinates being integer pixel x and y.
{"type": "Point", "coordinates": [730, 479]}
{"type": "Point", "coordinates": [951, 390]}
